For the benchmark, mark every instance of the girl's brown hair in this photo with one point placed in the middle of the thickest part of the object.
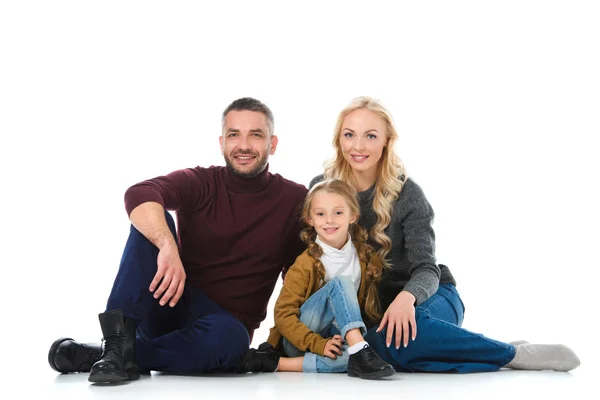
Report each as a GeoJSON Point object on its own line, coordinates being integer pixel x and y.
{"type": "Point", "coordinates": [358, 234]}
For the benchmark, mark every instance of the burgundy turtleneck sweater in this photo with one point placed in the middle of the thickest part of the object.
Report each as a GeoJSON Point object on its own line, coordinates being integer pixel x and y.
{"type": "Point", "coordinates": [235, 235]}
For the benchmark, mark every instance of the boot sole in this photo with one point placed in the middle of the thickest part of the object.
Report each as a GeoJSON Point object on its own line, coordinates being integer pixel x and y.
{"type": "Point", "coordinates": [372, 375]}
{"type": "Point", "coordinates": [107, 377]}
{"type": "Point", "coordinates": [133, 373]}
{"type": "Point", "coordinates": [52, 352]}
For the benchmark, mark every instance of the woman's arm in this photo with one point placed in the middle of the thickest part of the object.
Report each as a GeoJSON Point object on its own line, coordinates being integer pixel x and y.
{"type": "Point", "coordinates": [416, 218]}
{"type": "Point", "coordinates": [416, 227]}
{"type": "Point", "coordinates": [419, 241]}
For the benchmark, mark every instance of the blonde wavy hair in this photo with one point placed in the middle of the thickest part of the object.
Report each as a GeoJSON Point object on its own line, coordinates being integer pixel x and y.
{"type": "Point", "coordinates": [391, 173]}
{"type": "Point", "coordinates": [358, 234]}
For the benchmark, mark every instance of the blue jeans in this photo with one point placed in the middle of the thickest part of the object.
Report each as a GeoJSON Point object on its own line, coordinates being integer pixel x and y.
{"type": "Point", "coordinates": [331, 310]}
{"type": "Point", "coordinates": [441, 344]}
{"type": "Point", "coordinates": [194, 336]}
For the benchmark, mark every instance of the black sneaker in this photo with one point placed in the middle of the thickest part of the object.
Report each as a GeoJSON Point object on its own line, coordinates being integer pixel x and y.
{"type": "Point", "coordinates": [263, 359]}
{"type": "Point", "coordinates": [367, 364]}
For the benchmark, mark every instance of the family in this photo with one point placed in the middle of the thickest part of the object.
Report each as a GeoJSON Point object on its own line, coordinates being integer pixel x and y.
{"type": "Point", "coordinates": [362, 291]}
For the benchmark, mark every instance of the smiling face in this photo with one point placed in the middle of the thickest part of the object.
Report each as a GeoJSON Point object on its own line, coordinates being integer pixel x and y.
{"type": "Point", "coordinates": [331, 217]}
{"type": "Point", "coordinates": [246, 142]}
{"type": "Point", "coordinates": [363, 137]}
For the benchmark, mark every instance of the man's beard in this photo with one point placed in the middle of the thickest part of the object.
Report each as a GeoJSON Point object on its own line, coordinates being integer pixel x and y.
{"type": "Point", "coordinates": [261, 163]}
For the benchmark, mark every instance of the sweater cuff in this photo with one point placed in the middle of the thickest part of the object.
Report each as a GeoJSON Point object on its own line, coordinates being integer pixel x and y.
{"type": "Point", "coordinates": [420, 293]}
{"type": "Point", "coordinates": [132, 201]}
{"type": "Point", "coordinates": [319, 346]}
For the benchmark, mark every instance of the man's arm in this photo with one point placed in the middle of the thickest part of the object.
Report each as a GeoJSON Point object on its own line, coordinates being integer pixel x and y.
{"type": "Point", "coordinates": [181, 190]}
{"type": "Point", "coordinates": [149, 219]}
{"type": "Point", "coordinates": [145, 203]}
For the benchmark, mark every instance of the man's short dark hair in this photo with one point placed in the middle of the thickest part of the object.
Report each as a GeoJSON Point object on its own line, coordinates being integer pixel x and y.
{"type": "Point", "coordinates": [250, 104]}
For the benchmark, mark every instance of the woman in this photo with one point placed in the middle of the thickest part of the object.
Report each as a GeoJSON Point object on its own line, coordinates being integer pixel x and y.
{"type": "Point", "coordinates": [423, 308]}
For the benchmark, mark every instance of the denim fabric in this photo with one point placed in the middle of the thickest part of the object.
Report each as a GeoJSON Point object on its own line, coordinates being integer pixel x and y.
{"type": "Point", "coordinates": [333, 309]}
{"type": "Point", "coordinates": [441, 344]}
{"type": "Point", "coordinates": [194, 336]}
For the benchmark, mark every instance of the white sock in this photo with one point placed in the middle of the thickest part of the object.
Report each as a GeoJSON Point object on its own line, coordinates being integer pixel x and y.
{"type": "Point", "coordinates": [357, 347]}
{"type": "Point", "coordinates": [539, 357]}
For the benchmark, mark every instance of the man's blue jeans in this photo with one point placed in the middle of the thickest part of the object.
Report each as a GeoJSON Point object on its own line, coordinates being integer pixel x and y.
{"type": "Point", "coordinates": [441, 344]}
{"type": "Point", "coordinates": [194, 336]}
{"type": "Point", "coordinates": [331, 310]}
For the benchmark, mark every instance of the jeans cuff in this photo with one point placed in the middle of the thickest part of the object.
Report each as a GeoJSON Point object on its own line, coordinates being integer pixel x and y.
{"type": "Point", "coordinates": [309, 364]}
{"type": "Point", "coordinates": [353, 325]}
{"type": "Point", "coordinates": [512, 352]}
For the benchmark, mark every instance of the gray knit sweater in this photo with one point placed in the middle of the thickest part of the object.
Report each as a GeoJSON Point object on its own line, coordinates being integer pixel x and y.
{"type": "Point", "coordinates": [412, 257]}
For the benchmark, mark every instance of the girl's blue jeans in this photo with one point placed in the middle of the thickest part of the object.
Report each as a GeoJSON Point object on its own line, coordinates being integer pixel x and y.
{"type": "Point", "coordinates": [331, 310]}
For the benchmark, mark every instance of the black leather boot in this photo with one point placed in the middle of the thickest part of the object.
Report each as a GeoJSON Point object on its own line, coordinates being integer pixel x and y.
{"type": "Point", "coordinates": [263, 359]}
{"type": "Point", "coordinates": [67, 355]}
{"type": "Point", "coordinates": [131, 366]}
{"type": "Point", "coordinates": [367, 364]}
{"type": "Point", "coordinates": [118, 358]}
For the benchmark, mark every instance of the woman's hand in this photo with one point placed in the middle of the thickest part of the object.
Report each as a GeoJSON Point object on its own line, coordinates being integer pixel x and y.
{"type": "Point", "coordinates": [400, 315]}
{"type": "Point", "coordinates": [333, 347]}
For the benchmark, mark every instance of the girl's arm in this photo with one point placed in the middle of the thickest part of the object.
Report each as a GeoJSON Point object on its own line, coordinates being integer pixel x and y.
{"type": "Point", "coordinates": [287, 311]}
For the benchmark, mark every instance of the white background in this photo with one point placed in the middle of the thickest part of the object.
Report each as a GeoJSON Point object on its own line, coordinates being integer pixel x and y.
{"type": "Point", "coordinates": [496, 103]}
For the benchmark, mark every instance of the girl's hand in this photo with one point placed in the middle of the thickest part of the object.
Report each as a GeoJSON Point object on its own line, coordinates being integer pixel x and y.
{"type": "Point", "coordinates": [333, 347]}
{"type": "Point", "coordinates": [400, 315]}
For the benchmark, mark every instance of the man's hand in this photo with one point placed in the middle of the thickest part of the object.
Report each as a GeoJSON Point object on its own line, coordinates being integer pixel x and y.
{"type": "Point", "coordinates": [170, 271]}
{"type": "Point", "coordinates": [333, 347]}
{"type": "Point", "coordinates": [400, 315]}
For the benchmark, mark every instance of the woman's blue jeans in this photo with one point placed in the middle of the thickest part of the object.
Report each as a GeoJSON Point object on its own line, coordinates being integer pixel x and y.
{"type": "Point", "coordinates": [441, 344]}
{"type": "Point", "coordinates": [331, 310]}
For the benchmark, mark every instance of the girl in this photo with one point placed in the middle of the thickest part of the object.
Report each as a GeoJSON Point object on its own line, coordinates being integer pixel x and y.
{"type": "Point", "coordinates": [324, 294]}
{"type": "Point", "coordinates": [419, 296]}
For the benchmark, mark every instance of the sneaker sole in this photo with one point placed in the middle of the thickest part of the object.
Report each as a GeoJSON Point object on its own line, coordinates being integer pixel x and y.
{"type": "Point", "coordinates": [373, 375]}
{"type": "Point", "coordinates": [52, 352]}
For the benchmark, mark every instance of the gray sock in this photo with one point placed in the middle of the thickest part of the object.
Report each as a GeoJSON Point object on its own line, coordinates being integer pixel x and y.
{"type": "Point", "coordinates": [518, 342]}
{"type": "Point", "coordinates": [556, 357]}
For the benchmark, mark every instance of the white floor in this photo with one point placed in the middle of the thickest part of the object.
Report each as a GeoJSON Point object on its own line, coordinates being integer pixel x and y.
{"type": "Point", "coordinates": [499, 385]}
{"type": "Point", "coordinates": [497, 110]}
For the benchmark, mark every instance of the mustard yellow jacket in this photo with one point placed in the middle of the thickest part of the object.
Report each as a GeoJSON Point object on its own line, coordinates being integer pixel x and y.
{"type": "Point", "coordinates": [299, 284]}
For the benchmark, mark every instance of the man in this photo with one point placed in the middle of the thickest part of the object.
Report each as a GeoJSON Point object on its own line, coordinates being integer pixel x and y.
{"type": "Point", "coordinates": [195, 295]}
